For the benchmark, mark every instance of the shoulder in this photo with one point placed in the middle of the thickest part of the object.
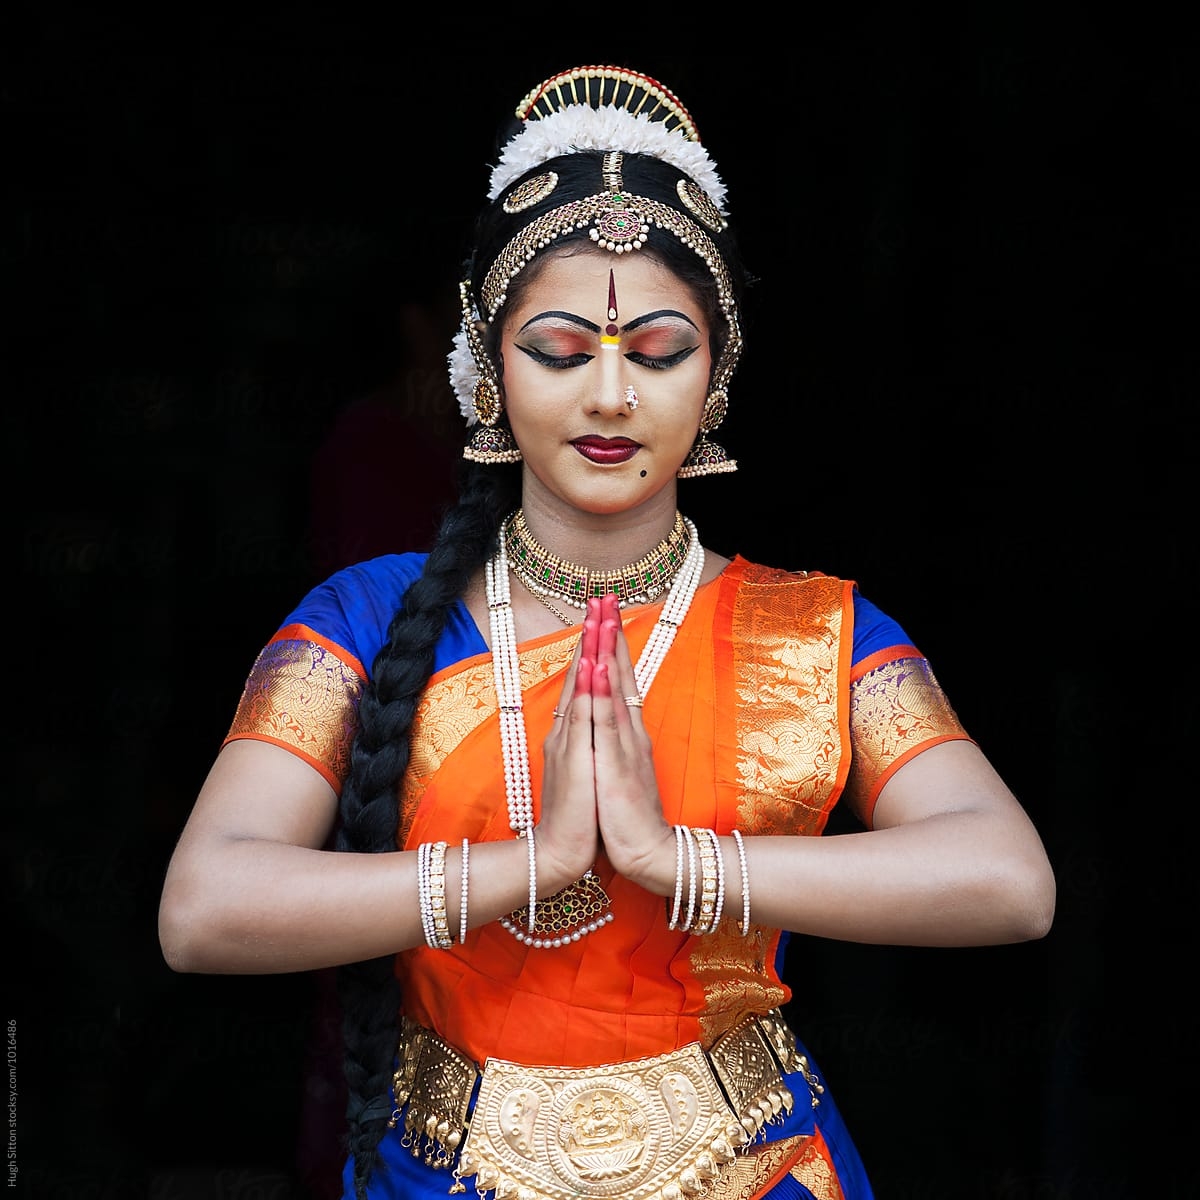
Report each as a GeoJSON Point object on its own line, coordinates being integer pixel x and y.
{"type": "Point", "coordinates": [744, 573]}
{"type": "Point", "coordinates": [874, 631]}
{"type": "Point", "coordinates": [354, 606]}
{"type": "Point", "coordinates": [381, 580]}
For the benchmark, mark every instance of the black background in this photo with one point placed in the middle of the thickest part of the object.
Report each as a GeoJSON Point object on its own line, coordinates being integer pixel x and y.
{"type": "Point", "coordinates": [970, 367]}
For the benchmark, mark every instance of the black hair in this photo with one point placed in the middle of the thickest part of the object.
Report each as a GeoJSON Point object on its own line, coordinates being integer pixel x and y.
{"type": "Point", "coordinates": [369, 992]}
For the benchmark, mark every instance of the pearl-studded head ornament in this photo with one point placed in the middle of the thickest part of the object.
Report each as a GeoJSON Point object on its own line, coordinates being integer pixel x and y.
{"type": "Point", "coordinates": [619, 113]}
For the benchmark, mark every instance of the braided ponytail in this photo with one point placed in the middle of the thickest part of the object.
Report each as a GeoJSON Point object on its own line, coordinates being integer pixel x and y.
{"type": "Point", "coordinates": [368, 991]}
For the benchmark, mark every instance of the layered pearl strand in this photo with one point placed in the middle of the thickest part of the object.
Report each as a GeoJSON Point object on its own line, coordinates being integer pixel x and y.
{"type": "Point", "coordinates": [507, 670]}
{"type": "Point", "coordinates": [514, 744]}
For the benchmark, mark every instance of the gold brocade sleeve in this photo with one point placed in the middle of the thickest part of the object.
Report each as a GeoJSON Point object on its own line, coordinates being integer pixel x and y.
{"type": "Point", "coordinates": [896, 710]}
{"type": "Point", "coordinates": [300, 695]}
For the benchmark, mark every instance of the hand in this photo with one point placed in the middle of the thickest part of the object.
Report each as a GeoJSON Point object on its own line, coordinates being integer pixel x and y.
{"type": "Point", "coordinates": [629, 808]}
{"type": "Point", "coordinates": [568, 832]}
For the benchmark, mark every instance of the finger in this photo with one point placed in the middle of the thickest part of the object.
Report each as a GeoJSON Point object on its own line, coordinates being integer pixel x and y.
{"type": "Point", "coordinates": [567, 693]}
{"type": "Point", "coordinates": [584, 647]}
{"type": "Point", "coordinates": [615, 651]}
{"type": "Point", "coordinates": [583, 677]}
{"type": "Point", "coordinates": [601, 683]}
{"type": "Point", "coordinates": [589, 645]}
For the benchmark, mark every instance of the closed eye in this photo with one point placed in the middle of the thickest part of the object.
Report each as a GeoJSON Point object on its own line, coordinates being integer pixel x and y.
{"type": "Point", "coordinates": [557, 362]}
{"type": "Point", "coordinates": [661, 362]}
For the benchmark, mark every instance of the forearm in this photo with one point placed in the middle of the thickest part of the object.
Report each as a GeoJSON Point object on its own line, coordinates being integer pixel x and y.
{"type": "Point", "coordinates": [950, 880]}
{"type": "Point", "coordinates": [954, 879]}
{"type": "Point", "coordinates": [248, 906]}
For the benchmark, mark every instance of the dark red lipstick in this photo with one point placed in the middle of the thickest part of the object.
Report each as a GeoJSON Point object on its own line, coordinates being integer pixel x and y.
{"type": "Point", "coordinates": [606, 450]}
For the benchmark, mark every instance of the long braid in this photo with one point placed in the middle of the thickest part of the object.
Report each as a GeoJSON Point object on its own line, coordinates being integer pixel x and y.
{"type": "Point", "coordinates": [369, 992]}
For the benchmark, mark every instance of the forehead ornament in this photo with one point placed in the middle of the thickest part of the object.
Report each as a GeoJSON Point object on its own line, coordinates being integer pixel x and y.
{"type": "Point", "coordinates": [532, 191]}
{"type": "Point", "coordinates": [619, 226]}
{"type": "Point", "coordinates": [698, 202]}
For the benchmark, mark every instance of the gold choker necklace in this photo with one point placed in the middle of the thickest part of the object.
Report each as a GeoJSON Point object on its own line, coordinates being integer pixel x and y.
{"type": "Point", "coordinates": [545, 574]}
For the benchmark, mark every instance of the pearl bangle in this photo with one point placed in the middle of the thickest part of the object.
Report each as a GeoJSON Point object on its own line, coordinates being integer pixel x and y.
{"type": "Point", "coordinates": [423, 901]}
{"type": "Point", "coordinates": [462, 910]}
{"type": "Point", "coordinates": [678, 897]}
{"type": "Point", "coordinates": [691, 854]}
{"type": "Point", "coordinates": [744, 928]}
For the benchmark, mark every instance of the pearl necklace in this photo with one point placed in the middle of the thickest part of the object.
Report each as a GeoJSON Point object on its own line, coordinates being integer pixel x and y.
{"type": "Point", "coordinates": [514, 743]}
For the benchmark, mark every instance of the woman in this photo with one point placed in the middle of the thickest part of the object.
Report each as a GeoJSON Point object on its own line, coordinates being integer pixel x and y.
{"type": "Point", "coordinates": [576, 762]}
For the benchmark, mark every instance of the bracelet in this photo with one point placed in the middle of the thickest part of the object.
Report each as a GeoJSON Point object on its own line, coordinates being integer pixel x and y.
{"type": "Point", "coordinates": [744, 927]}
{"type": "Point", "coordinates": [426, 875]}
{"type": "Point", "coordinates": [462, 910]}
{"type": "Point", "coordinates": [691, 853]}
{"type": "Point", "coordinates": [678, 897]}
{"type": "Point", "coordinates": [423, 892]}
{"type": "Point", "coordinates": [443, 939]}
{"type": "Point", "coordinates": [709, 857]}
{"type": "Point", "coordinates": [720, 905]}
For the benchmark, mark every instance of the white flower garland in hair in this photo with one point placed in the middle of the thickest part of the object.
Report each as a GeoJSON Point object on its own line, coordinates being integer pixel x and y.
{"type": "Point", "coordinates": [582, 128]}
{"type": "Point", "coordinates": [464, 375]}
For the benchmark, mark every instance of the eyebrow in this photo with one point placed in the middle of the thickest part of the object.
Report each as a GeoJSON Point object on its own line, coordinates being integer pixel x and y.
{"type": "Point", "coordinates": [654, 316]}
{"type": "Point", "coordinates": [575, 319]}
{"type": "Point", "coordinates": [562, 316]}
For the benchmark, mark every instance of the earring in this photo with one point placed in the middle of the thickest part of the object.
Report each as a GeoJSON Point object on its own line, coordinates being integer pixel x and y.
{"type": "Point", "coordinates": [490, 446]}
{"type": "Point", "coordinates": [707, 457]}
{"type": "Point", "coordinates": [631, 398]}
{"type": "Point", "coordinates": [490, 442]}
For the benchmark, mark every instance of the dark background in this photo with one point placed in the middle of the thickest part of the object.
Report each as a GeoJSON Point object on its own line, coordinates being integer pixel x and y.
{"type": "Point", "coordinates": [232, 263]}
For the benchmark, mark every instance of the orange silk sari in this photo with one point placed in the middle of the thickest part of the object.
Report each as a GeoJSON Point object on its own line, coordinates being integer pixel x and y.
{"type": "Point", "coordinates": [749, 716]}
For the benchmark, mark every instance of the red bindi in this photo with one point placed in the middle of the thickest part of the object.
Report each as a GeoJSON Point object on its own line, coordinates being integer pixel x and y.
{"type": "Point", "coordinates": [610, 329]}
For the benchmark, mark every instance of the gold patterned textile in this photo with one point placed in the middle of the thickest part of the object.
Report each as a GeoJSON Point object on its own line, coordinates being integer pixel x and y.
{"type": "Point", "coordinates": [791, 716]}
{"type": "Point", "coordinates": [457, 703]}
{"type": "Point", "coordinates": [815, 1170]}
{"type": "Point", "coordinates": [303, 696]}
{"type": "Point", "coordinates": [753, 1173]}
{"type": "Point", "coordinates": [896, 710]}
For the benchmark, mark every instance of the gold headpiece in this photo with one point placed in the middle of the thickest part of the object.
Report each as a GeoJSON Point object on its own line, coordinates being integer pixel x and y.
{"type": "Point", "coordinates": [619, 112]}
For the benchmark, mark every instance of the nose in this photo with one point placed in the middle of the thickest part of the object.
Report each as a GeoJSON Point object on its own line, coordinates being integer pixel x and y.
{"type": "Point", "coordinates": [611, 383]}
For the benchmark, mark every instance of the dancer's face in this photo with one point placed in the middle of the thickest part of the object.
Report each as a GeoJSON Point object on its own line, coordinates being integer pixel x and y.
{"type": "Point", "coordinates": [589, 327]}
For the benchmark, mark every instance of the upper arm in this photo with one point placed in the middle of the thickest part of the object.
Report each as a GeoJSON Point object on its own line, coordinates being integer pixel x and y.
{"type": "Point", "coordinates": [259, 791]}
{"type": "Point", "coordinates": [951, 776]}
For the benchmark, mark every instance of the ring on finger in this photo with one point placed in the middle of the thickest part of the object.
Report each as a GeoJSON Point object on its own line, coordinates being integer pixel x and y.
{"type": "Point", "coordinates": [633, 702]}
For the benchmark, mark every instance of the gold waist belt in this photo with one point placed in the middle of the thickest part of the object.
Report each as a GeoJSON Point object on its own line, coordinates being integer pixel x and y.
{"type": "Point", "coordinates": [652, 1129]}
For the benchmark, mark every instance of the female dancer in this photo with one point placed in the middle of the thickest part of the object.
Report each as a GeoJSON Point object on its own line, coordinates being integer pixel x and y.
{"type": "Point", "coordinates": [578, 765]}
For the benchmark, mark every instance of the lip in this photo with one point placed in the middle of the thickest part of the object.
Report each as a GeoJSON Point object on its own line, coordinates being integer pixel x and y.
{"type": "Point", "coordinates": [606, 450]}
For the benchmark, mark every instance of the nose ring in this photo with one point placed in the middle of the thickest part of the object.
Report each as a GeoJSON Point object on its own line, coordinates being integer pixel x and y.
{"type": "Point", "coordinates": [631, 397]}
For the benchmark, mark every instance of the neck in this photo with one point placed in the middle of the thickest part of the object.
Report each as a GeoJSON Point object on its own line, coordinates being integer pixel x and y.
{"type": "Point", "coordinates": [598, 541]}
